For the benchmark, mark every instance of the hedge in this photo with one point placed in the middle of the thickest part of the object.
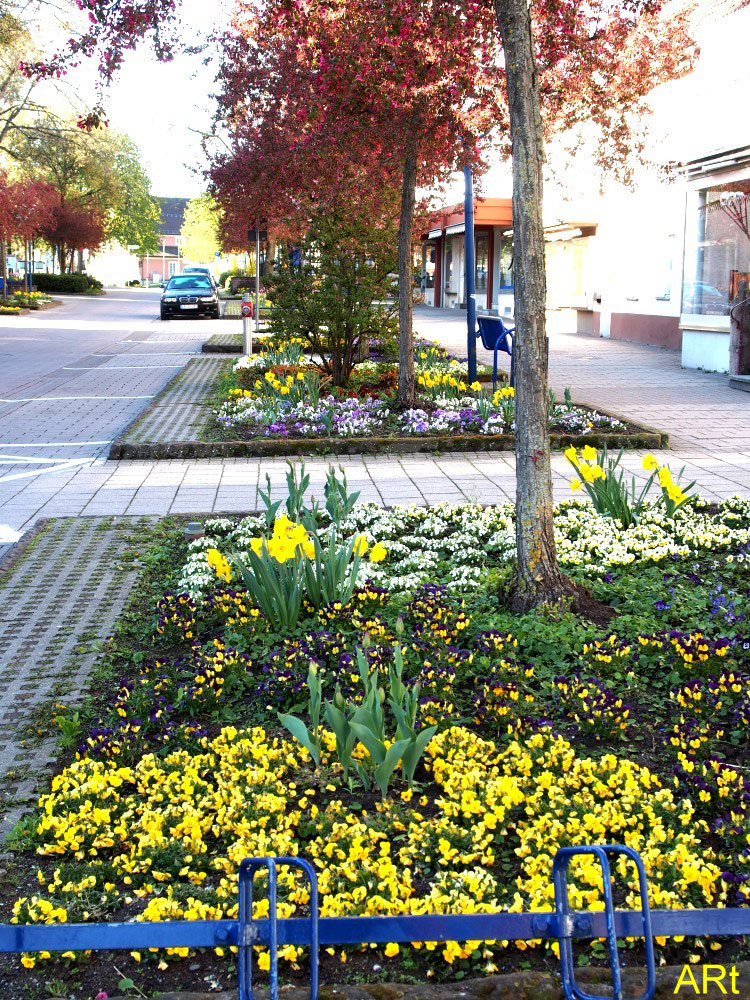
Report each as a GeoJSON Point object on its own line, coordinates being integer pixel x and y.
{"type": "Point", "coordinates": [62, 283]}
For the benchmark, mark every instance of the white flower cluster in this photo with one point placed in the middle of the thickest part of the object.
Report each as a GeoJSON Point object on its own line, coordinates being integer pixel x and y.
{"type": "Point", "coordinates": [455, 544]}
{"type": "Point", "coordinates": [248, 361]}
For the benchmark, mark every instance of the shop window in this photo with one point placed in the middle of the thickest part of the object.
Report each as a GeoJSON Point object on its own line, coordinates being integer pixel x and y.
{"type": "Point", "coordinates": [506, 261]}
{"type": "Point", "coordinates": [448, 272]}
{"type": "Point", "coordinates": [482, 251]}
{"type": "Point", "coordinates": [717, 249]}
{"type": "Point", "coordinates": [430, 266]}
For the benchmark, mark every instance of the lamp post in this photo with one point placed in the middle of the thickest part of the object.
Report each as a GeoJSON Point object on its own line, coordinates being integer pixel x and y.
{"type": "Point", "coordinates": [471, 306]}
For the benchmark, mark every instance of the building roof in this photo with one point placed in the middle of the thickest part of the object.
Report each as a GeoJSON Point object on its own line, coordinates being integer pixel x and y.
{"type": "Point", "coordinates": [172, 215]}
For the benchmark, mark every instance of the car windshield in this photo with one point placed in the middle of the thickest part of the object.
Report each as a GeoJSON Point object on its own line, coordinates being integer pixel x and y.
{"type": "Point", "coordinates": [189, 281]}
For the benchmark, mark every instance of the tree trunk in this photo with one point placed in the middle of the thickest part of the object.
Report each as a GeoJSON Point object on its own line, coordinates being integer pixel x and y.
{"type": "Point", "coordinates": [538, 577]}
{"type": "Point", "coordinates": [406, 280]}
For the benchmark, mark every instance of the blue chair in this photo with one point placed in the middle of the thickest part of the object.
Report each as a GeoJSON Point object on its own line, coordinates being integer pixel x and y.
{"type": "Point", "coordinates": [496, 336]}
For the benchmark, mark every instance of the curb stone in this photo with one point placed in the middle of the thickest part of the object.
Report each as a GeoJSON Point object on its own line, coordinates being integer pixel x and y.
{"type": "Point", "coordinates": [263, 447]}
{"type": "Point", "coordinates": [514, 986]}
{"type": "Point", "coordinates": [16, 550]}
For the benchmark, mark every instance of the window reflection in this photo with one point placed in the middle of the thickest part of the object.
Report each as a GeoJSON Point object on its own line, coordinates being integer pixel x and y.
{"type": "Point", "coordinates": [717, 249]}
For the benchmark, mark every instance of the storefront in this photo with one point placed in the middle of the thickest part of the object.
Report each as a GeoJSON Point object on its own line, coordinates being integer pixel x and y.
{"type": "Point", "coordinates": [716, 271]}
{"type": "Point", "coordinates": [444, 257]}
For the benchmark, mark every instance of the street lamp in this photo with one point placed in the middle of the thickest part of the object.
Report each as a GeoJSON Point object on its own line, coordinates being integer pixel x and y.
{"type": "Point", "coordinates": [471, 305]}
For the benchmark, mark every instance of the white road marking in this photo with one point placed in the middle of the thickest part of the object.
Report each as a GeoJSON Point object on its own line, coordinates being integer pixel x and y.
{"type": "Point", "coordinates": [23, 459]}
{"type": "Point", "coordinates": [116, 368]}
{"type": "Point", "coordinates": [54, 444]}
{"type": "Point", "coordinates": [56, 399]}
{"type": "Point", "coordinates": [70, 464]}
{"type": "Point", "coordinates": [8, 535]}
{"type": "Point", "coordinates": [148, 354]}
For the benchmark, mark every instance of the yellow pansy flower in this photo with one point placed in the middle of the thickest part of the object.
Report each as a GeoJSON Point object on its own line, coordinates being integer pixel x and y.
{"type": "Point", "coordinates": [378, 553]}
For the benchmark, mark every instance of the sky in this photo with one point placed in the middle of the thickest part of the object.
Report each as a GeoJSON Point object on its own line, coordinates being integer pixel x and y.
{"type": "Point", "coordinates": [163, 107]}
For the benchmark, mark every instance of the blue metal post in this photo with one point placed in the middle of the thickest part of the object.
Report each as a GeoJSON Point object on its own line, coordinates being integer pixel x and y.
{"type": "Point", "coordinates": [471, 306]}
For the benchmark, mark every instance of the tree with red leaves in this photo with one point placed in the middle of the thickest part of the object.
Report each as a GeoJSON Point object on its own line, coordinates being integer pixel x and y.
{"type": "Point", "coordinates": [327, 100]}
{"type": "Point", "coordinates": [330, 102]}
{"type": "Point", "coordinates": [25, 209]}
{"type": "Point", "coordinates": [73, 227]}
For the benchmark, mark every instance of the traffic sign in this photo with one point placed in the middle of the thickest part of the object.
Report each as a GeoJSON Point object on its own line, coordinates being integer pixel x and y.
{"type": "Point", "coordinates": [253, 235]}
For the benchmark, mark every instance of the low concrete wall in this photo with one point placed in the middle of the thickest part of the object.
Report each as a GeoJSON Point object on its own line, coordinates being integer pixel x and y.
{"type": "Point", "coordinates": [705, 349]}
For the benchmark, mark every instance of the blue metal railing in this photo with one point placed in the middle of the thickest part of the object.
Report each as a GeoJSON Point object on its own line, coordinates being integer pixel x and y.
{"type": "Point", "coordinates": [315, 932]}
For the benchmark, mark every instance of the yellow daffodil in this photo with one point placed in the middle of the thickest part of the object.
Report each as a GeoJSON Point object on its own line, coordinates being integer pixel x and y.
{"type": "Point", "coordinates": [587, 473]}
{"type": "Point", "coordinates": [649, 463]}
{"type": "Point", "coordinates": [361, 545]}
{"type": "Point", "coordinates": [588, 453]}
{"type": "Point", "coordinates": [572, 455]}
{"type": "Point", "coordinates": [575, 485]}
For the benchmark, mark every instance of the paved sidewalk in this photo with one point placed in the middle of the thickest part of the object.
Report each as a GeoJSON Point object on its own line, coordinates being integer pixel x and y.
{"type": "Point", "coordinates": [709, 426]}
{"type": "Point", "coordinates": [57, 605]}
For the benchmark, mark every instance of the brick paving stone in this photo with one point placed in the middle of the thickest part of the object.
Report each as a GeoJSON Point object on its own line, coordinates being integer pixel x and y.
{"type": "Point", "coordinates": [179, 412]}
{"type": "Point", "coordinates": [58, 603]}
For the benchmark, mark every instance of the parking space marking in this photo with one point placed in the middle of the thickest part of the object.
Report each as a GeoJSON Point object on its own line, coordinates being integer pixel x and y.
{"type": "Point", "coordinates": [147, 354]}
{"type": "Point", "coordinates": [53, 444]}
{"type": "Point", "coordinates": [72, 463]}
{"type": "Point", "coordinates": [26, 460]}
{"type": "Point", "coordinates": [116, 368]}
{"type": "Point", "coordinates": [57, 399]}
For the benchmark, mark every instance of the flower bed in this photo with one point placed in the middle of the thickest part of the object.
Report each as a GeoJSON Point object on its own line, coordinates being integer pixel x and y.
{"type": "Point", "coordinates": [280, 393]}
{"type": "Point", "coordinates": [527, 732]}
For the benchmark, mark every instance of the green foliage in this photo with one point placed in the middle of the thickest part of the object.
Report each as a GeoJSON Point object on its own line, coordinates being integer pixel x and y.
{"type": "Point", "coordinates": [335, 300]}
{"type": "Point", "coordinates": [364, 720]}
{"type": "Point", "coordinates": [134, 212]}
{"type": "Point", "coordinates": [70, 729]}
{"type": "Point", "coordinates": [200, 230]}
{"type": "Point", "coordinates": [238, 272]}
{"type": "Point", "coordinates": [299, 561]}
{"type": "Point", "coordinates": [309, 738]}
{"type": "Point", "coordinates": [69, 284]}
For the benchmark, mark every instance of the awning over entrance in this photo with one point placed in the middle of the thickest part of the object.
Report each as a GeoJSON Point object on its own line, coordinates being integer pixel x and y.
{"type": "Point", "coordinates": [487, 212]}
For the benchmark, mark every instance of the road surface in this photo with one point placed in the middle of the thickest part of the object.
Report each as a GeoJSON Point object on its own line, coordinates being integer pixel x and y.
{"type": "Point", "coordinates": [72, 377]}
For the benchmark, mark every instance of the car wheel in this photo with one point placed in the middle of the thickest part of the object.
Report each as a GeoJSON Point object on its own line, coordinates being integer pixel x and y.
{"type": "Point", "coordinates": [216, 313]}
{"type": "Point", "coordinates": [163, 315]}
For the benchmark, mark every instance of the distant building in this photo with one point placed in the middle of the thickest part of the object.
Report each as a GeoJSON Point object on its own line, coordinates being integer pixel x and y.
{"type": "Point", "coordinates": [167, 261]}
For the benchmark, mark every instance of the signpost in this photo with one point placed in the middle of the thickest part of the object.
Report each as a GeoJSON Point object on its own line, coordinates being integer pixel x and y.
{"type": "Point", "coordinates": [471, 304]}
{"type": "Point", "coordinates": [257, 234]}
{"type": "Point", "coordinates": [247, 314]}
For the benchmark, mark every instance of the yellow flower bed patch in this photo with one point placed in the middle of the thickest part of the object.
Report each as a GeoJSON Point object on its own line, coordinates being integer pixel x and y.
{"type": "Point", "coordinates": [164, 839]}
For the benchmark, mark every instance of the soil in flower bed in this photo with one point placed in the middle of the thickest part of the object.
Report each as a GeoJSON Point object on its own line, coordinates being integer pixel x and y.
{"type": "Point", "coordinates": [551, 727]}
